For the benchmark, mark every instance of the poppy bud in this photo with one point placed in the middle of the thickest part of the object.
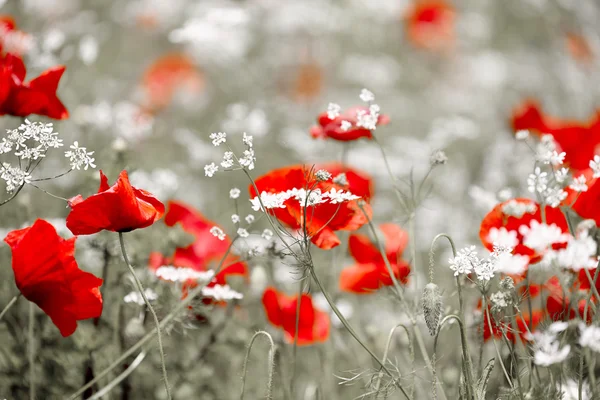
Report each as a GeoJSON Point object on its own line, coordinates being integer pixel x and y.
{"type": "Point", "coordinates": [432, 307]}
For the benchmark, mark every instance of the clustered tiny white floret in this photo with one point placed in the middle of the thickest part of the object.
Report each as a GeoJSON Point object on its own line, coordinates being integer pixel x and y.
{"type": "Point", "coordinates": [227, 160]}
{"type": "Point", "coordinates": [234, 193]}
{"type": "Point", "coordinates": [514, 208]}
{"type": "Point", "coordinates": [235, 218]}
{"type": "Point", "coordinates": [595, 166]}
{"type": "Point", "coordinates": [13, 176]}
{"type": "Point", "coordinates": [210, 169]}
{"type": "Point", "coordinates": [468, 261]}
{"type": "Point", "coordinates": [221, 293]}
{"type": "Point", "coordinates": [540, 237]}
{"type": "Point", "coordinates": [249, 218]}
{"type": "Point", "coordinates": [561, 175]}
{"type": "Point", "coordinates": [465, 261]}
{"type": "Point", "coordinates": [522, 134]}
{"type": "Point", "coordinates": [79, 157]}
{"type": "Point", "coordinates": [546, 152]}
{"type": "Point", "coordinates": [589, 337]}
{"type": "Point", "coordinates": [579, 184]}
{"type": "Point", "coordinates": [136, 297]}
{"type": "Point", "coordinates": [333, 110]}
{"type": "Point", "coordinates": [341, 179]}
{"type": "Point", "coordinates": [322, 175]}
{"type": "Point", "coordinates": [304, 197]}
{"type": "Point", "coordinates": [179, 274]}
{"type": "Point", "coordinates": [218, 138]}
{"type": "Point", "coordinates": [547, 350]}
{"type": "Point", "coordinates": [503, 237]}
{"type": "Point", "coordinates": [499, 299]}
{"type": "Point", "coordinates": [242, 232]}
{"type": "Point", "coordinates": [267, 234]}
{"type": "Point", "coordinates": [367, 96]}
{"type": "Point", "coordinates": [217, 232]}
{"type": "Point", "coordinates": [345, 126]}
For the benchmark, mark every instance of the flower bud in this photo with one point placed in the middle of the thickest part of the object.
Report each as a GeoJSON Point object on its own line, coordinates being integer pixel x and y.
{"type": "Point", "coordinates": [432, 307]}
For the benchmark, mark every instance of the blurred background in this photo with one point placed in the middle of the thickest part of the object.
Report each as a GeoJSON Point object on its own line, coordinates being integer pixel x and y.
{"type": "Point", "coordinates": [148, 80]}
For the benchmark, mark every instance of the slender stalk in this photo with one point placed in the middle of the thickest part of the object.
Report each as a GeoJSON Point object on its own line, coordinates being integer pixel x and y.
{"type": "Point", "coordinates": [489, 321]}
{"type": "Point", "coordinates": [463, 334]}
{"type": "Point", "coordinates": [269, 394]}
{"type": "Point", "coordinates": [385, 357]}
{"type": "Point", "coordinates": [9, 305]}
{"type": "Point", "coordinates": [174, 313]}
{"type": "Point", "coordinates": [297, 326]}
{"type": "Point", "coordinates": [156, 322]}
{"type": "Point", "coordinates": [31, 335]}
{"type": "Point", "coordinates": [122, 376]}
{"type": "Point", "coordinates": [351, 330]}
{"type": "Point", "coordinates": [13, 195]}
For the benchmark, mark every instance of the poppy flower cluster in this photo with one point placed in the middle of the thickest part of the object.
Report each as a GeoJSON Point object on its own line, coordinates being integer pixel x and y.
{"type": "Point", "coordinates": [117, 208]}
{"type": "Point", "coordinates": [299, 201]}
{"type": "Point", "coordinates": [47, 274]}
{"type": "Point", "coordinates": [313, 324]}
{"type": "Point", "coordinates": [429, 24]}
{"type": "Point", "coordinates": [370, 271]}
{"type": "Point", "coordinates": [38, 96]}
{"type": "Point", "coordinates": [206, 249]}
{"type": "Point", "coordinates": [580, 140]}
{"type": "Point", "coordinates": [346, 126]}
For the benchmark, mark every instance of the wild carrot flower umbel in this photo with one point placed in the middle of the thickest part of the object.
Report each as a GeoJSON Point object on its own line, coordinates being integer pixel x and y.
{"type": "Point", "coordinates": [47, 274]}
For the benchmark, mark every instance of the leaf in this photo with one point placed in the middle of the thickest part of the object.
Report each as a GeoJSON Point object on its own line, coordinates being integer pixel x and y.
{"type": "Point", "coordinates": [482, 383]}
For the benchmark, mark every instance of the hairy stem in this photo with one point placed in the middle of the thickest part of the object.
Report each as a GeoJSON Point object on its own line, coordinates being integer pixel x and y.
{"type": "Point", "coordinates": [385, 357]}
{"type": "Point", "coordinates": [31, 335]}
{"type": "Point", "coordinates": [156, 321]}
{"type": "Point", "coordinates": [269, 394]}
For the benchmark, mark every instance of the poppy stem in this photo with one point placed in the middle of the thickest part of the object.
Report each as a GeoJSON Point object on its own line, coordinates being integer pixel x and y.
{"type": "Point", "coordinates": [156, 322]}
{"type": "Point", "coordinates": [272, 350]}
{"type": "Point", "coordinates": [9, 305]}
{"type": "Point", "coordinates": [385, 356]}
{"type": "Point", "coordinates": [297, 326]}
{"type": "Point", "coordinates": [31, 351]}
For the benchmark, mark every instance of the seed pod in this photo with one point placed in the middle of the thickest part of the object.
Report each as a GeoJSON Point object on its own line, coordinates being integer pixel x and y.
{"type": "Point", "coordinates": [432, 307]}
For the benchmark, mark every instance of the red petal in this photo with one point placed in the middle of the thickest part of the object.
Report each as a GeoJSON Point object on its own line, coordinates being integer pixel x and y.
{"type": "Point", "coordinates": [360, 278]}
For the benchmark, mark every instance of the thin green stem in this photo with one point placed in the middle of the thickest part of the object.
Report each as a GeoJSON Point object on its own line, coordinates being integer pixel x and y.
{"type": "Point", "coordinates": [156, 321]}
{"type": "Point", "coordinates": [122, 376]}
{"type": "Point", "coordinates": [269, 394]}
{"type": "Point", "coordinates": [297, 326]}
{"type": "Point", "coordinates": [489, 321]}
{"type": "Point", "coordinates": [385, 357]}
{"type": "Point", "coordinates": [31, 335]}
{"type": "Point", "coordinates": [9, 305]}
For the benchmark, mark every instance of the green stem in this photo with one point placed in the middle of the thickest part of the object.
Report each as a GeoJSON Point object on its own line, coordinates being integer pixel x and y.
{"type": "Point", "coordinates": [122, 376]}
{"type": "Point", "coordinates": [385, 357]}
{"type": "Point", "coordinates": [489, 321]}
{"type": "Point", "coordinates": [31, 335]}
{"type": "Point", "coordinates": [156, 321]}
{"type": "Point", "coordinates": [297, 326]}
{"type": "Point", "coordinates": [9, 305]}
{"type": "Point", "coordinates": [269, 395]}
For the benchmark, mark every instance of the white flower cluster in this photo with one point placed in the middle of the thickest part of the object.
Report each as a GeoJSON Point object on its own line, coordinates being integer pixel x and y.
{"type": "Point", "coordinates": [514, 208]}
{"type": "Point", "coordinates": [589, 337]}
{"type": "Point", "coordinates": [551, 192]}
{"type": "Point", "coordinates": [595, 166]}
{"type": "Point", "coordinates": [546, 152]}
{"type": "Point", "coordinates": [547, 350]}
{"type": "Point", "coordinates": [221, 293]}
{"type": "Point", "coordinates": [217, 232]}
{"type": "Point", "coordinates": [136, 297]}
{"type": "Point", "coordinates": [368, 120]}
{"type": "Point", "coordinates": [30, 140]}
{"type": "Point", "coordinates": [467, 261]}
{"type": "Point", "coordinates": [580, 253]}
{"type": "Point", "coordinates": [13, 176]}
{"type": "Point", "coordinates": [304, 197]}
{"type": "Point", "coordinates": [579, 184]}
{"type": "Point", "coordinates": [333, 110]}
{"type": "Point", "coordinates": [177, 274]}
{"type": "Point", "coordinates": [79, 157]}
{"type": "Point", "coordinates": [540, 237]}
{"type": "Point", "coordinates": [246, 160]}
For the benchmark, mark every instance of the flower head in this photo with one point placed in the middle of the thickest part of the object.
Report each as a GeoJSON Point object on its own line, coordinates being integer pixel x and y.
{"type": "Point", "coordinates": [117, 208]}
{"type": "Point", "coordinates": [47, 274]}
{"type": "Point", "coordinates": [362, 120]}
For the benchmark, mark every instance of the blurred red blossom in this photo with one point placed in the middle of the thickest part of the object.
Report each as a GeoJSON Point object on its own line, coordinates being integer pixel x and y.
{"type": "Point", "coordinates": [47, 274]}
{"type": "Point", "coordinates": [430, 24]}
{"type": "Point", "coordinates": [370, 272]}
{"type": "Point", "coordinates": [346, 126]}
{"type": "Point", "coordinates": [313, 324]}
{"type": "Point", "coordinates": [580, 140]}
{"type": "Point", "coordinates": [38, 96]}
{"type": "Point", "coordinates": [117, 208]}
{"type": "Point", "coordinates": [320, 219]}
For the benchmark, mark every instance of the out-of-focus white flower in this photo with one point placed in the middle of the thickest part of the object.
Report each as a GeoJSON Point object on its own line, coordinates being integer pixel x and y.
{"type": "Point", "coordinates": [540, 237]}
{"type": "Point", "coordinates": [218, 138]}
{"type": "Point", "coordinates": [522, 134]}
{"type": "Point", "coordinates": [210, 169]}
{"type": "Point", "coordinates": [367, 96]}
{"type": "Point", "coordinates": [242, 233]}
{"type": "Point", "coordinates": [267, 234]}
{"type": "Point", "coordinates": [517, 209]}
{"type": "Point", "coordinates": [570, 390]}
{"type": "Point", "coordinates": [178, 274]}
{"type": "Point", "coordinates": [235, 218]}
{"type": "Point", "coordinates": [580, 253]}
{"type": "Point", "coordinates": [249, 218]}
{"type": "Point", "coordinates": [503, 237]}
{"type": "Point", "coordinates": [547, 350]}
{"type": "Point", "coordinates": [595, 166]}
{"type": "Point", "coordinates": [221, 293]}
{"type": "Point", "coordinates": [333, 110]}
{"type": "Point", "coordinates": [322, 175]}
{"type": "Point", "coordinates": [88, 49]}
{"type": "Point", "coordinates": [579, 184]}
{"type": "Point", "coordinates": [136, 297]}
{"type": "Point", "coordinates": [217, 232]}
{"type": "Point", "coordinates": [234, 193]}
{"type": "Point", "coordinates": [465, 261]}
{"type": "Point", "coordinates": [589, 337]}
{"type": "Point", "coordinates": [346, 125]}
{"type": "Point", "coordinates": [561, 175]}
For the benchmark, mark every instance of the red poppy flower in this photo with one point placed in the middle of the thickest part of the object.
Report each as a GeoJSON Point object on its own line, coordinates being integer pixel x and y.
{"type": "Point", "coordinates": [429, 24]}
{"type": "Point", "coordinates": [559, 301]}
{"type": "Point", "coordinates": [166, 76]}
{"type": "Point", "coordinates": [321, 219]}
{"type": "Point", "coordinates": [20, 98]}
{"type": "Point", "coordinates": [506, 219]}
{"type": "Point", "coordinates": [47, 274]}
{"type": "Point", "coordinates": [370, 272]}
{"type": "Point", "coordinates": [332, 128]}
{"type": "Point", "coordinates": [586, 203]}
{"type": "Point", "coordinates": [579, 140]}
{"type": "Point", "coordinates": [204, 251]}
{"type": "Point", "coordinates": [118, 208]}
{"type": "Point", "coordinates": [313, 326]}
{"type": "Point", "coordinates": [357, 181]}
{"type": "Point", "coordinates": [532, 321]}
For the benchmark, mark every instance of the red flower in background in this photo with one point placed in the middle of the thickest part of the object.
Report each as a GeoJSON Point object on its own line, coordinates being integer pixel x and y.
{"type": "Point", "coordinates": [20, 98]}
{"type": "Point", "coordinates": [313, 324]}
{"type": "Point", "coordinates": [429, 24]}
{"type": "Point", "coordinates": [370, 272]}
{"type": "Point", "coordinates": [579, 140]}
{"type": "Point", "coordinates": [47, 274]}
{"type": "Point", "coordinates": [503, 224]}
{"type": "Point", "coordinates": [585, 204]}
{"type": "Point", "coordinates": [558, 305]}
{"type": "Point", "coordinates": [322, 219]}
{"type": "Point", "coordinates": [358, 182]}
{"type": "Point", "coordinates": [333, 128]}
{"type": "Point", "coordinates": [117, 208]}
{"type": "Point", "coordinates": [204, 251]}
{"type": "Point", "coordinates": [168, 75]}
{"type": "Point", "coordinates": [529, 321]}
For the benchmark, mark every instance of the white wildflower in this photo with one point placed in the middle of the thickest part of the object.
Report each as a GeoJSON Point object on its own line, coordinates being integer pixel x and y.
{"type": "Point", "coordinates": [340, 196]}
{"type": "Point", "coordinates": [554, 196]}
{"type": "Point", "coordinates": [227, 160]}
{"type": "Point", "coordinates": [514, 208]}
{"type": "Point", "coordinates": [511, 264]}
{"type": "Point", "coordinates": [367, 96]}
{"type": "Point", "coordinates": [247, 139]}
{"type": "Point", "coordinates": [341, 179]}
{"type": "Point", "coordinates": [538, 181]}
{"type": "Point", "coordinates": [589, 337]}
{"type": "Point", "coordinates": [136, 297]}
{"type": "Point", "coordinates": [522, 134]}
{"type": "Point", "coordinates": [234, 193]}
{"type": "Point", "coordinates": [242, 233]}
{"type": "Point", "coordinates": [79, 157]}
{"type": "Point", "coordinates": [14, 177]}
{"type": "Point", "coordinates": [595, 166]}
{"type": "Point", "coordinates": [345, 126]}
{"type": "Point", "coordinates": [503, 237]}
{"type": "Point", "coordinates": [221, 293]}
{"type": "Point", "coordinates": [570, 390]}
{"type": "Point", "coordinates": [218, 138]}
{"type": "Point", "coordinates": [322, 175]}
{"type": "Point", "coordinates": [579, 254]}
{"type": "Point", "coordinates": [561, 175]}
{"type": "Point", "coordinates": [235, 218]}
{"type": "Point", "coordinates": [210, 169]}
{"type": "Point", "coordinates": [178, 274]}
{"type": "Point", "coordinates": [249, 218]}
{"type": "Point", "coordinates": [465, 261]}
{"type": "Point", "coordinates": [438, 157]}
{"type": "Point", "coordinates": [579, 184]}
{"type": "Point", "coordinates": [333, 110]}
{"type": "Point", "coordinates": [217, 232]}
{"type": "Point", "coordinates": [547, 349]}
{"type": "Point", "coordinates": [498, 300]}
{"type": "Point", "coordinates": [540, 237]}
{"type": "Point", "coordinates": [247, 160]}
{"type": "Point", "coordinates": [267, 234]}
